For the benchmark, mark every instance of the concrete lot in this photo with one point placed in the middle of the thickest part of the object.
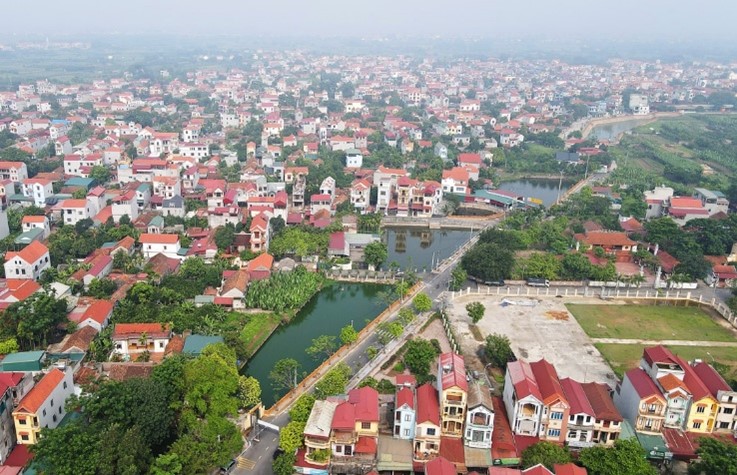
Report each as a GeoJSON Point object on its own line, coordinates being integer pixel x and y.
{"type": "Point", "coordinates": [537, 328]}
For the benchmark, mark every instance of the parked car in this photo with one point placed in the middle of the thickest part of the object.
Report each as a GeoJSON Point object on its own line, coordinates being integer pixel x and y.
{"type": "Point", "coordinates": [228, 468]}
{"type": "Point", "coordinates": [538, 282]}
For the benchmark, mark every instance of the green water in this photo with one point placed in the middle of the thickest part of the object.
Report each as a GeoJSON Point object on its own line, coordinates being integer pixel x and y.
{"type": "Point", "coordinates": [417, 247]}
{"type": "Point", "coordinates": [334, 307]}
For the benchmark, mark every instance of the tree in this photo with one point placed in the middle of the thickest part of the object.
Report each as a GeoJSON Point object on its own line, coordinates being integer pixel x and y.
{"type": "Point", "coordinates": [545, 453]}
{"type": "Point", "coordinates": [488, 262]}
{"type": "Point", "coordinates": [34, 319]}
{"type": "Point", "coordinates": [100, 173]}
{"type": "Point", "coordinates": [249, 391]}
{"type": "Point", "coordinates": [300, 410]}
{"type": "Point", "coordinates": [67, 450]}
{"type": "Point", "coordinates": [375, 253]}
{"type": "Point", "coordinates": [422, 302]}
{"type": "Point", "coordinates": [334, 382]}
{"type": "Point", "coordinates": [122, 451]}
{"type": "Point", "coordinates": [626, 457]}
{"type": "Point", "coordinates": [348, 335]}
{"type": "Point", "coordinates": [9, 346]}
{"type": "Point", "coordinates": [322, 346]}
{"type": "Point", "coordinates": [498, 350]}
{"type": "Point", "coordinates": [224, 237]}
{"type": "Point", "coordinates": [419, 356]}
{"type": "Point", "coordinates": [166, 464]}
{"type": "Point", "coordinates": [457, 277]}
{"type": "Point", "coordinates": [291, 436]}
{"type": "Point", "coordinates": [284, 374]}
{"type": "Point", "coordinates": [211, 382]}
{"type": "Point", "coordinates": [102, 288]}
{"type": "Point", "coordinates": [475, 311]}
{"type": "Point", "coordinates": [715, 458]}
{"type": "Point", "coordinates": [284, 464]}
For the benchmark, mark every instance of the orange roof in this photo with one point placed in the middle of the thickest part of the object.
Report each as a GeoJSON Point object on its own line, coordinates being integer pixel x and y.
{"type": "Point", "coordinates": [670, 382]}
{"type": "Point", "coordinates": [685, 203]}
{"type": "Point", "coordinates": [456, 173]}
{"type": "Point", "coordinates": [30, 254]}
{"type": "Point", "coordinates": [34, 219]}
{"type": "Point", "coordinates": [40, 392]}
{"type": "Point", "coordinates": [264, 260]}
{"type": "Point", "coordinates": [73, 204]}
{"type": "Point", "coordinates": [606, 238]}
{"type": "Point", "coordinates": [125, 330]}
{"type": "Point", "coordinates": [158, 238]}
{"type": "Point", "coordinates": [98, 311]}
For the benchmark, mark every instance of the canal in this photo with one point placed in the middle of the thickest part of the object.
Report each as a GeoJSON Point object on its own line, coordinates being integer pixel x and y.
{"type": "Point", "coordinates": [542, 189]}
{"type": "Point", "coordinates": [614, 130]}
{"type": "Point", "coordinates": [334, 307]}
{"type": "Point", "coordinates": [414, 248]}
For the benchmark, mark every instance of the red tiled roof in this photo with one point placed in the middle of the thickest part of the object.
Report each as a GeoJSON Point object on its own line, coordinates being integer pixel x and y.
{"type": "Point", "coordinates": [125, 330]}
{"type": "Point", "coordinates": [695, 386]}
{"type": "Point", "coordinates": [146, 238]}
{"type": "Point", "coordinates": [32, 401]}
{"type": "Point", "coordinates": [659, 354]}
{"type": "Point", "coordinates": [601, 402]}
{"type": "Point", "coordinates": [711, 378]}
{"type": "Point", "coordinates": [679, 444]}
{"type": "Point", "coordinates": [569, 469]}
{"type": "Point", "coordinates": [606, 238]}
{"type": "Point", "coordinates": [469, 158]}
{"type": "Point", "coordinates": [366, 445]}
{"type": "Point", "coordinates": [405, 397]}
{"type": "Point", "coordinates": [30, 254]}
{"type": "Point", "coordinates": [547, 381]}
{"type": "Point", "coordinates": [441, 465]}
{"type": "Point", "coordinates": [576, 397]}
{"type": "Point", "coordinates": [523, 380]}
{"type": "Point", "coordinates": [644, 386]}
{"type": "Point", "coordinates": [260, 262]}
{"type": "Point", "coordinates": [725, 271]}
{"type": "Point", "coordinates": [538, 469]}
{"type": "Point", "coordinates": [98, 311]}
{"type": "Point", "coordinates": [428, 407]}
{"type": "Point", "coordinates": [366, 402]}
{"type": "Point", "coordinates": [683, 202]}
{"type": "Point", "coordinates": [337, 241]}
{"type": "Point", "coordinates": [453, 371]}
{"type": "Point", "coordinates": [344, 417]}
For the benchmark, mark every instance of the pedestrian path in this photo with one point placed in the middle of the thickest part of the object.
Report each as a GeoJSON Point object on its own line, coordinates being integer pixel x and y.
{"type": "Point", "coordinates": [628, 341]}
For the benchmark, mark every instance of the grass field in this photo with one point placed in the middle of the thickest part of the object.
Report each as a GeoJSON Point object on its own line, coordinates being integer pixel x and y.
{"type": "Point", "coordinates": [258, 328]}
{"type": "Point", "coordinates": [648, 322]}
{"type": "Point", "coordinates": [624, 357]}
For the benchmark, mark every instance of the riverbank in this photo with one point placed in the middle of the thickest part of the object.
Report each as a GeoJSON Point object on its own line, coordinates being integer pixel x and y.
{"type": "Point", "coordinates": [640, 119]}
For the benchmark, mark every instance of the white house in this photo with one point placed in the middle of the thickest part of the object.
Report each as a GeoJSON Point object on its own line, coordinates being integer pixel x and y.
{"type": "Point", "coordinates": [13, 171]}
{"type": "Point", "coordinates": [75, 210]}
{"type": "Point", "coordinates": [43, 406]}
{"type": "Point", "coordinates": [581, 418]}
{"type": "Point", "coordinates": [36, 222]}
{"type": "Point", "coordinates": [404, 414]}
{"type": "Point", "coordinates": [455, 180]}
{"type": "Point", "coordinates": [167, 244]}
{"type": "Point", "coordinates": [132, 339]}
{"type": "Point", "coordinates": [353, 158]}
{"type": "Point", "coordinates": [522, 399]}
{"type": "Point", "coordinates": [327, 187]}
{"type": "Point", "coordinates": [38, 189]}
{"type": "Point", "coordinates": [479, 417]}
{"type": "Point", "coordinates": [28, 263]}
{"type": "Point", "coordinates": [360, 194]}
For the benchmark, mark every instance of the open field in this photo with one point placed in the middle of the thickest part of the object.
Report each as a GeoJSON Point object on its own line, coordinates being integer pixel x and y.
{"type": "Point", "coordinates": [649, 322]}
{"type": "Point", "coordinates": [624, 357]}
{"type": "Point", "coordinates": [259, 327]}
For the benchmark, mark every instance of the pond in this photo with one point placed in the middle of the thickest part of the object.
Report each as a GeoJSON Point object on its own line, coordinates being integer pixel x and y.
{"type": "Point", "coordinates": [612, 131]}
{"type": "Point", "coordinates": [334, 307]}
{"type": "Point", "coordinates": [542, 189]}
{"type": "Point", "coordinates": [417, 247]}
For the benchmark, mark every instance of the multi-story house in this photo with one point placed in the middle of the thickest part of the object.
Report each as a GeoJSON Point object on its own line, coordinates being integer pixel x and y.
{"type": "Point", "coordinates": [36, 222]}
{"type": "Point", "coordinates": [166, 244]}
{"type": "Point", "coordinates": [404, 414]}
{"type": "Point", "coordinates": [714, 201]}
{"type": "Point", "coordinates": [327, 187]}
{"type": "Point", "coordinates": [555, 411]}
{"type": "Point", "coordinates": [223, 216]}
{"type": "Point", "coordinates": [426, 444]}
{"type": "Point", "coordinates": [355, 427]}
{"type": "Point", "coordinates": [74, 211]}
{"type": "Point", "coordinates": [385, 179]}
{"type": "Point", "coordinates": [132, 339]}
{"type": "Point", "coordinates": [38, 189]}
{"type": "Point", "coordinates": [523, 400]}
{"type": "Point", "coordinates": [360, 195]}
{"type": "Point", "coordinates": [455, 181]}
{"type": "Point", "coordinates": [43, 406]}
{"type": "Point", "coordinates": [164, 142]}
{"type": "Point", "coordinates": [13, 171]}
{"type": "Point", "coordinates": [640, 402]}
{"type": "Point", "coordinates": [320, 202]}
{"type": "Point", "coordinates": [581, 418]}
{"type": "Point", "coordinates": [704, 406]}
{"type": "Point", "coordinates": [726, 417]}
{"type": "Point", "coordinates": [608, 421]}
{"type": "Point", "coordinates": [167, 187]}
{"type": "Point", "coordinates": [317, 432]}
{"type": "Point", "coordinates": [667, 372]}
{"type": "Point", "coordinates": [28, 263]}
{"type": "Point", "coordinates": [13, 386]}
{"type": "Point", "coordinates": [125, 204]}
{"type": "Point", "coordinates": [259, 233]}
{"type": "Point", "coordinates": [78, 165]}
{"type": "Point", "coordinates": [479, 417]}
{"type": "Point", "coordinates": [453, 392]}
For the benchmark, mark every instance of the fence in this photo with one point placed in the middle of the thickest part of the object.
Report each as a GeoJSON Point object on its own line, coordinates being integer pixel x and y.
{"type": "Point", "coordinates": [342, 352]}
{"type": "Point", "coordinates": [362, 275]}
{"type": "Point", "coordinates": [668, 296]}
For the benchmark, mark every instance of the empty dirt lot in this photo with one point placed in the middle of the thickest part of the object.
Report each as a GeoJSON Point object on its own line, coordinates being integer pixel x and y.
{"type": "Point", "coordinates": [537, 328]}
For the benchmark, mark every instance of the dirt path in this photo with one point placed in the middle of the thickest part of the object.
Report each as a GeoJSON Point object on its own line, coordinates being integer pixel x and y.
{"type": "Point", "coordinates": [627, 341]}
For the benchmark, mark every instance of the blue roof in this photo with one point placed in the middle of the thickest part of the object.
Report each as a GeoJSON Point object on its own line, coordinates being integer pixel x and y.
{"type": "Point", "coordinates": [194, 344]}
{"type": "Point", "coordinates": [23, 356]}
{"type": "Point", "coordinates": [80, 181]}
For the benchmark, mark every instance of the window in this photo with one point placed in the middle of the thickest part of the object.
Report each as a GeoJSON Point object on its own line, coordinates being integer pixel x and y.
{"type": "Point", "coordinates": [430, 431]}
{"type": "Point", "coordinates": [52, 403]}
{"type": "Point", "coordinates": [161, 344]}
{"type": "Point", "coordinates": [24, 436]}
{"type": "Point", "coordinates": [556, 416]}
{"type": "Point", "coordinates": [65, 384]}
{"type": "Point", "coordinates": [700, 409]}
{"type": "Point", "coordinates": [407, 417]}
{"type": "Point", "coordinates": [365, 425]}
{"type": "Point", "coordinates": [724, 425]}
{"type": "Point", "coordinates": [338, 449]}
{"type": "Point", "coordinates": [697, 425]}
{"type": "Point", "coordinates": [554, 433]}
{"type": "Point", "coordinates": [44, 412]}
{"type": "Point", "coordinates": [571, 434]}
{"type": "Point", "coordinates": [406, 432]}
{"type": "Point", "coordinates": [727, 410]}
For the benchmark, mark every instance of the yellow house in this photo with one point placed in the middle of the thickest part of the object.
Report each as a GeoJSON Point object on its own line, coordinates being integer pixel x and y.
{"type": "Point", "coordinates": [453, 391]}
{"type": "Point", "coordinates": [704, 406]}
{"type": "Point", "coordinates": [43, 406]}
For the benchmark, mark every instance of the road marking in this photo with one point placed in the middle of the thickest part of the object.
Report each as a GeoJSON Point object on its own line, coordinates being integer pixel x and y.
{"type": "Point", "coordinates": [243, 462]}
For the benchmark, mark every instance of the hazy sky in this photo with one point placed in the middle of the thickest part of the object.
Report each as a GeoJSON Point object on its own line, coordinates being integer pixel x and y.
{"type": "Point", "coordinates": [620, 19]}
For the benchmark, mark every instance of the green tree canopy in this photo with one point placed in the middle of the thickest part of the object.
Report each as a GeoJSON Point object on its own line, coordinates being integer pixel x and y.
{"type": "Point", "coordinates": [422, 302]}
{"type": "Point", "coordinates": [348, 335]}
{"type": "Point", "coordinates": [334, 382]}
{"type": "Point", "coordinates": [322, 347]}
{"type": "Point", "coordinates": [419, 356]}
{"type": "Point", "coordinates": [545, 453]}
{"type": "Point", "coordinates": [375, 253]}
{"type": "Point", "coordinates": [498, 350]}
{"type": "Point", "coordinates": [488, 262]}
{"type": "Point", "coordinates": [475, 311]}
{"type": "Point", "coordinates": [626, 457]}
{"type": "Point", "coordinates": [715, 458]}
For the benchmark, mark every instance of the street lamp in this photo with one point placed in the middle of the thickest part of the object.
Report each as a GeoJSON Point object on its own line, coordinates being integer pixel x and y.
{"type": "Point", "coordinates": [710, 356]}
